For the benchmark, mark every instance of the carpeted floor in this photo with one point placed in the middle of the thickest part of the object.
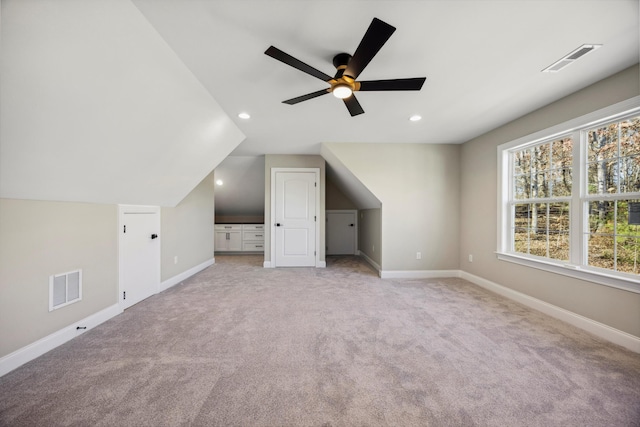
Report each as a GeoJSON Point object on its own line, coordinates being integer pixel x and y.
{"type": "Point", "coordinates": [239, 345]}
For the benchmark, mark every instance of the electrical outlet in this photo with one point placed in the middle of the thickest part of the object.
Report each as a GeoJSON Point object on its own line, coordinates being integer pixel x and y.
{"type": "Point", "coordinates": [418, 255]}
{"type": "Point", "coordinates": [175, 259]}
{"type": "Point", "coordinates": [470, 258]}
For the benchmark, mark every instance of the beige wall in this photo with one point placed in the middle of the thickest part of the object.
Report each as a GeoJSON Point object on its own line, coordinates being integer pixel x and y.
{"type": "Point", "coordinates": [292, 161]}
{"type": "Point", "coordinates": [370, 234]}
{"type": "Point", "coordinates": [188, 230]}
{"type": "Point", "coordinates": [478, 225]}
{"type": "Point", "coordinates": [418, 185]}
{"type": "Point", "coordinates": [39, 239]}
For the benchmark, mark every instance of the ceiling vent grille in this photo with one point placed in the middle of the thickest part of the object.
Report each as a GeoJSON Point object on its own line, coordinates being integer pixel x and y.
{"type": "Point", "coordinates": [570, 58]}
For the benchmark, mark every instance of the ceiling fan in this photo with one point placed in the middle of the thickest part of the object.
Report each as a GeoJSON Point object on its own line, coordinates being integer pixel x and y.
{"type": "Point", "coordinates": [344, 83]}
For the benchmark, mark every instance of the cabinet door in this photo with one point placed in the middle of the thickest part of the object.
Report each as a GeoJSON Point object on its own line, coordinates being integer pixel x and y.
{"type": "Point", "coordinates": [221, 243]}
{"type": "Point", "coordinates": [234, 241]}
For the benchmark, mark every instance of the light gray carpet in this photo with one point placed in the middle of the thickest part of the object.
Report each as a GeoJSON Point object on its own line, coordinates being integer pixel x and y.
{"type": "Point", "coordinates": [239, 345]}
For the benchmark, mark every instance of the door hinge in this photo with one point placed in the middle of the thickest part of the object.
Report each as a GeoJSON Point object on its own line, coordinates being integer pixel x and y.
{"type": "Point", "coordinates": [124, 295]}
{"type": "Point", "coordinates": [314, 218]}
{"type": "Point", "coordinates": [315, 184]}
{"type": "Point", "coordinates": [125, 229]}
{"type": "Point", "coordinates": [314, 253]}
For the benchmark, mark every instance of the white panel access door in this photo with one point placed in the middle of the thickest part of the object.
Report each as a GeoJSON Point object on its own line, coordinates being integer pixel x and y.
{"type": "Point", "coordinates": [341, 232]}
{"type": "Point", "coordinates": [295, 225]}
{"type": "Point", "coordinates": [139, 245]}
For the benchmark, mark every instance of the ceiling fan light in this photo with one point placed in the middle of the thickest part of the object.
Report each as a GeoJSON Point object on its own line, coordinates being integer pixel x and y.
{"type": "Point", "coordinates": [342, 91]}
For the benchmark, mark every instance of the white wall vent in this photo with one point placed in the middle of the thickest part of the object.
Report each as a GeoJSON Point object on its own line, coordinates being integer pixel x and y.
{"type": "Point", "coordinates": [571, 57]}
{"type": "Point", "coordinates": [65, 289]}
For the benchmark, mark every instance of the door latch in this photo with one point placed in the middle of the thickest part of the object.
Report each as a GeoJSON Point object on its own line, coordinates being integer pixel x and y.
{"type": "Point", "coordinates": [154, 236]}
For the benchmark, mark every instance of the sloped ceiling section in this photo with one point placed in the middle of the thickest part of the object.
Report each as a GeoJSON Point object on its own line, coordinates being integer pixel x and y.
{"type": "Point", "coordinates": [346, 181]}
{"type": "Point", "coordinates": [95, 107]}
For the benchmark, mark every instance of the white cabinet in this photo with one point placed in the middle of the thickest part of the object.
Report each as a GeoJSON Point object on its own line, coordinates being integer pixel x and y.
{"type": "Point", "coordinates": [253, 237]}
{"type": "Point", "coordinates": [239, 237]}
{"type": "Point", "coordinates": [228, 237]}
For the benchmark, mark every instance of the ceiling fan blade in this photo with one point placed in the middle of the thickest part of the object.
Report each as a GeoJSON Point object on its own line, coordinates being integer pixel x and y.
{"type": "Point", "coordinates": [393, 84]}
{"type": "Point", "coordinates": [376, 36]}
{"type": "Point", "coordinates": [353, 105]}
{"type": "Point", "coordinates": [307, 96]}
{"type": "Point", "coordinates": [281, 56]}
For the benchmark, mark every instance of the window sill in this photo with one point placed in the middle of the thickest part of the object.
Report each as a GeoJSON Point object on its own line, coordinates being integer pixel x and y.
{"type": "Point", "coordinates": [602, 278]}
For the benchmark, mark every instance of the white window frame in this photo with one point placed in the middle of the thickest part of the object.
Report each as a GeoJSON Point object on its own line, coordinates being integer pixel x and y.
{"type": "Point", "coordinates": [576, 266]}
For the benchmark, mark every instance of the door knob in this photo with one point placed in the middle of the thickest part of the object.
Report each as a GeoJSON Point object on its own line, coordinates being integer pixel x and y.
{"type": "Point", "coordinates": [277, 224]}
{"type": "Point", "coordinates": [154, 236]}
{"type": "Point", "coordinates": [350, 225]}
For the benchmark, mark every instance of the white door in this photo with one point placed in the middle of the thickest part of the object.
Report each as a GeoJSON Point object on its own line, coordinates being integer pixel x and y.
{"type": "Point", "coordinates": [139, 253]}
{"type": "Point", "coordinates": [341, 233]}
{"type": "Point", "coordinates": [295, 219]}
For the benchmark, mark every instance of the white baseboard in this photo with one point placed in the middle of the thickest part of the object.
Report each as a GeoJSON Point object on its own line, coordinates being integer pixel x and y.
{"type": "Point", "coordinates": [418, 274]}
{"type": "Point", "coordinates": [321, 264]}
{"type": "Point", "coordinates": [36, 349]}
{"type": "Point", "coordinates": [371, 262]}
{"type": "Point", "coordinates": [601, 330]}
{"type": "Point", "coordinates": [185, 275]}
{"type": "Point", "coordinates": [266, 264]}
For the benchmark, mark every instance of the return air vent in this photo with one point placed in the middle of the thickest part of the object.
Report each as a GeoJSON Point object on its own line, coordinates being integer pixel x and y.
{"type": "Point", "coordinates": [571, 58]}
{"type": "Point", "coordinates": [65, 289]}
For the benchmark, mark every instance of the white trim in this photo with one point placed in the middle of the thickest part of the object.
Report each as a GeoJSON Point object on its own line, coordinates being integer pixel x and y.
{"type": "Point", "coordinates": [373, 264]}
{"type": "Point", "coordinates": [272, 226]}
{"type": "Point", "coordinates": [418, 274]}
{"type": "Point", "coordinates": [575, 271]}
{"type": "Point", "coordinates": [266, 264]}
{"type": "Point", "coordinates": [601, 330]}
{"type": "Point", "coordinates": [36, 349]}
{"type": "Point", "coordinates": [178, 278]}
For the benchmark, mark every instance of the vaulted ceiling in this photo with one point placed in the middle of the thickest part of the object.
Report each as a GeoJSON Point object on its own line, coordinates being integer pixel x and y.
{"type": "Point", "coordinates": [135, 101]}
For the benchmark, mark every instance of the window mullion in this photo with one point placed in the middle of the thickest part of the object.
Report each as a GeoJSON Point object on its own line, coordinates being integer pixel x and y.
{"type": "Point", "coordinates": [577, 207]}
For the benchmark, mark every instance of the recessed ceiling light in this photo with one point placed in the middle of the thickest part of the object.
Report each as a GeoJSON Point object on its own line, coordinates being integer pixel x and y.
{"type": "Point", "coordinates": [244, 116]}
{"type": "Point", "coordinates": [219, 182]}
{"type": "Point", "coordinates": [415, 118]}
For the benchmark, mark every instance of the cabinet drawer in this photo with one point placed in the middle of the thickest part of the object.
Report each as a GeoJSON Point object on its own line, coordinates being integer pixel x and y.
{"type": "Point", "coordinates": [228, 227]}
{"type": "Point", "coordinates": [252, 227]}
{"type": "Point", "coordinates": [252, 235]}
{"type": "Point", "coordinates": [253, 246]}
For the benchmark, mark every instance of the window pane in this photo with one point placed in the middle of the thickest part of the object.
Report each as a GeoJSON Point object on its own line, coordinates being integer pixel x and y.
{"type": "Point", "coordinates": [541, 159]}
{"type": "Point", "coordinates": [627, 225]}
{"type": "Point", "coordinates": [603, 177]}
{"type": "Point", "coordinates": [522, 162]}
{"type": "Point", "coordinates": [601, 215]}
{"type": "Point", "coordinates": [538, 239]}
{"type": "Point", "coordinates": [522, 188]}
{"type": "Point", "coordinates": [559, 231]}
{"type": "Point", "coordinates": [561, 153]}
{"type": "Point", "coordinates": [601, 251]}
{"type": "Point", "coordinates": [540, 185]}
{"type": "Point", "coordinates": [521, 240]}
{"type": "Point", "coordinates": [628, 253]}
{"type": "Point", "coordinates": [630, 137]}
{"type": "Point", "coordinates": [560, 182]}
{"type": "Point", "coordinates": [522, 220]}
{"type": "Point", "coordinates": [602, 143]}
{"type": "Point", "coordinates": [630, 174]}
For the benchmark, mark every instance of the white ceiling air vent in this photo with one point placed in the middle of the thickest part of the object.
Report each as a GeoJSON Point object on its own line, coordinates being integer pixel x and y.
{"type": "Point", "coordinates": [571, 57]}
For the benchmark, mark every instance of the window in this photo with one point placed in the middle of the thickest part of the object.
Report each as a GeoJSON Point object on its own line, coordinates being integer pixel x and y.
{"type": "Point", "coordinates": [570, 198]}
